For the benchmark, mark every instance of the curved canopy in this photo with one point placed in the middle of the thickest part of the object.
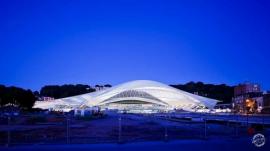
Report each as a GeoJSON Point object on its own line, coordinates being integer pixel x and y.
{"type": "Point", "coordinates": [140, 90]}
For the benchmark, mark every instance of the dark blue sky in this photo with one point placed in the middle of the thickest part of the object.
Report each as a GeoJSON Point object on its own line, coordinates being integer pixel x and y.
{"type": "Point", "coordinates": [99, 42]}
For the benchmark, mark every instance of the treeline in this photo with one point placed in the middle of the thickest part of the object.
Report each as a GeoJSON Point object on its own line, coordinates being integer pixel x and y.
{"type": "Point", "coordinates": [62, 91]}
{"type": "Point", "coordinates": [220, 92]}
{"type": "Point", "coordinates": [22, 98]}
{"type": "Point", "coordinates": [26, 98]}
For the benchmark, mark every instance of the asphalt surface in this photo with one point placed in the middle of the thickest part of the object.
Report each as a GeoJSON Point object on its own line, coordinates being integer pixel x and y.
{"type": "Point", "coordinates": [181, 145]}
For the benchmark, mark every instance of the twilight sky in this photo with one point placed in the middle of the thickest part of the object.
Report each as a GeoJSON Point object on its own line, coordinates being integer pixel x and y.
{"type": "Point", "coordinates": [99, 42]}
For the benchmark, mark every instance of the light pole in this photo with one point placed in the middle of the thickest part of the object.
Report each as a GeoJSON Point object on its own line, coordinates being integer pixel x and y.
{"type": "Point", "coordinates": [205, 128]}
{"type": "Point", "coordinates": [67, 133]}
{"type": "Point", "coordinates": [236, 124]}
{"type": "Point", "coordinates": [8, 139]}
{"type": "Point", "coordinates": [119, 128]}
{"type": "Point", "coordinates": [166, 129]}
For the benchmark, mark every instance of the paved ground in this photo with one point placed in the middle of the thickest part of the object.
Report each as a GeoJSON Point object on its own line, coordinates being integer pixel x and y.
{"type": "Point", "coordinates": [138, 132]}
{"type": "Point", "coordinates": [133, 128]}
{"type": "Point", "coordinates": [183, 145]}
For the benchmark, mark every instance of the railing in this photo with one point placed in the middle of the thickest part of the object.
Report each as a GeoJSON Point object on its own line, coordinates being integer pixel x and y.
{"type": "Point", "coordinates": [123, 128]}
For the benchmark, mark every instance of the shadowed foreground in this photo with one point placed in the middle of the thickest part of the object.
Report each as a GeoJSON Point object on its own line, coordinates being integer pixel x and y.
{"type": "Point", "coordinates": [209, 145]}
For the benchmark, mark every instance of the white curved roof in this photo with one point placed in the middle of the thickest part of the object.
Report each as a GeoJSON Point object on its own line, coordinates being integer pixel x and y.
{"type": "Point", "coordinates": [140, 90]}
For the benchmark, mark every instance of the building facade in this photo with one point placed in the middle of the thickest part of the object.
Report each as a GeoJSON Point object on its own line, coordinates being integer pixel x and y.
{"type": "Point", "coordinates": [266, 103]}
{"type": "Point", "coordinates": [140, 96]}
{"type": "Point", "coordinates": [248, 98]}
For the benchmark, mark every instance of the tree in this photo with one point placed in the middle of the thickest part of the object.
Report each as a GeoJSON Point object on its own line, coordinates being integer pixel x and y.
{"type": "Point", "coordinates": [66, 90]}
{"type": "Point", "coordinates": [17, 96]}
{"type": "Point", "coordinates": [220, 92]}
{"type": "Point", "coordinates": [107, 85]}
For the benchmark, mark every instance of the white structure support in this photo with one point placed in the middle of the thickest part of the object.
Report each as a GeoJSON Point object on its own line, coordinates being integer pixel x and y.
{"type": "Point", "coordinates": [137, 96]}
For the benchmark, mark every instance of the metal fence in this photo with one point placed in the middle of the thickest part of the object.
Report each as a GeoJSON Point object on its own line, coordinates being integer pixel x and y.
{"type": "Point", "coordinates": [123, 128]}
